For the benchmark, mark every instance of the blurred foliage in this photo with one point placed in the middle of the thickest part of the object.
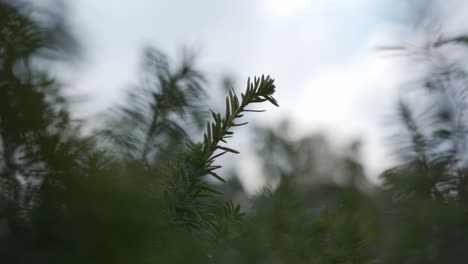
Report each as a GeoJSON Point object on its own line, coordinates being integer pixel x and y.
{"type": "Point", "coordinates": [309, 160]}
{"type": "Point", "coordinates": [160, 110]}
{"type": "Point", "coordinates": [140, 189]}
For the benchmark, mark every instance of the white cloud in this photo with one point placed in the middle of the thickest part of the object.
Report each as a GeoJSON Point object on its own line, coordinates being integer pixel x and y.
{"type": "Point", "coordinates": [317, 50]}
{"type": "Point", "coordinates": [282, 8]}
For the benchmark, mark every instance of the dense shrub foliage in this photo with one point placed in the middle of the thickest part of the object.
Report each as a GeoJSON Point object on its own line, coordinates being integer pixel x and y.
{"type": "Point", "coordinates": [142, 189]}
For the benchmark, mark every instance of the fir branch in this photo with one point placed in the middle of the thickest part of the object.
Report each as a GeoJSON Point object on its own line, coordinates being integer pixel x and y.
{"type": "Point", "coordinates": [188, 200]}
{"type": "Point", "coordinates": [217, 131]}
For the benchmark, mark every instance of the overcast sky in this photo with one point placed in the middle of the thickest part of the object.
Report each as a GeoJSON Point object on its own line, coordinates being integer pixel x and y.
{"type": "Point", "coordinates": [321, 53]}
{"type": "Point", "coordinates": [295, 41]}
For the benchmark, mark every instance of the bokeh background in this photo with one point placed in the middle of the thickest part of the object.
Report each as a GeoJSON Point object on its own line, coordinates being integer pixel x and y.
{"type": "Point", "coordinates": [109, 152]}
{"type": "Point", "coordinates": [324, 55]}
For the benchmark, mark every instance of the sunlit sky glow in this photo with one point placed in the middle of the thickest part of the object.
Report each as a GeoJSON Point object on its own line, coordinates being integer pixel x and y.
{"type": "Point", "coordinates": [283, 8]}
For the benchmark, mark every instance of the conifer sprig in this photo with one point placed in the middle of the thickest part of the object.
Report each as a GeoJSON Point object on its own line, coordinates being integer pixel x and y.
{"type": "Point", "coordinates": [189, 203]}
{"type": "Point", "coordinates": [217, 131]}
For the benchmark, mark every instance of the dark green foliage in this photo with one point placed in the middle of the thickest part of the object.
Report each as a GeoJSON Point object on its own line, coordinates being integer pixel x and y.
{"type": "Point", "coordinates": [185, 180]}
{"type": "Point", "coordinates": [140, 189]}
{"type": "Point", "coordinates": [310, 160]}
{"type": "Point", "coordinates": [117, 195]}
{"type": "Point", "coordinates": [159, 110]}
